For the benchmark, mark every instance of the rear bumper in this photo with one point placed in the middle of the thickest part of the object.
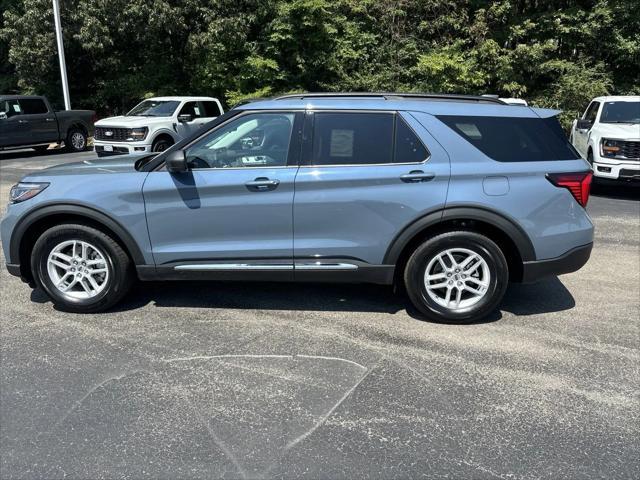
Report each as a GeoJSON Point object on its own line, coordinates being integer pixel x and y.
{"type": "Point", "coordinates": [569, 262]}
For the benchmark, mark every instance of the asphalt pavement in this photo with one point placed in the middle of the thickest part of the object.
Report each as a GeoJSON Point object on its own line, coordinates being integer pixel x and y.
{"type": "Point", "coordinates": [256, 380]}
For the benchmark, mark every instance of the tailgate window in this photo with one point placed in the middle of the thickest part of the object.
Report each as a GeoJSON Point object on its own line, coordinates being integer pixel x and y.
{"type": "Point", "coordinates": [511, 139]}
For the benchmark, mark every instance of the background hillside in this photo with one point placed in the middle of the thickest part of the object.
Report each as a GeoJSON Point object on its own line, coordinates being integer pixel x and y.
{"type": "Point", "coordinates": [552, 53]}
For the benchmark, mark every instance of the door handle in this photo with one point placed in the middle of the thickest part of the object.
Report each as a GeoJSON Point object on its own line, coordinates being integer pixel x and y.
{"type": "Point", "coordinates": [23, 121]}
{"type": "Point", "coordinates": [417, 176]}
{"type": "Point", "coordinates": [49, 119]}
{"type": "Point", "coordinates": [262, 184]}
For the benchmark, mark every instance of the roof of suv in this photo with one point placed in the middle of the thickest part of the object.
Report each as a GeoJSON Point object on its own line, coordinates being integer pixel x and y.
{"type": "Point", "coordinates": [436, 104]}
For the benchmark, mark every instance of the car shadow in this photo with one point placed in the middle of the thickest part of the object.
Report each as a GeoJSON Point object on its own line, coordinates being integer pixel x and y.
{"type": "Point", "coordinates": [521, 300]}
{"type": "Point", "coordinates": [616, 192]}
{"type": "Point", "coordinates": [28, 153]}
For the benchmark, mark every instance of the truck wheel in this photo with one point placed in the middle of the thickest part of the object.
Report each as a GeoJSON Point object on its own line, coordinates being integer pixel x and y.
{"type": "Point", "coordinates": [161, 144]}
{"type": "Point", "coordinates": [456, 277]}
{"type": "Point", "coordinates": [76, 140]}
{"type": "Point", "coordinates": [81, 269]}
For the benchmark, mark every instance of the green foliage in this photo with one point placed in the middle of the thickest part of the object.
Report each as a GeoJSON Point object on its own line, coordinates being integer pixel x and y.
{"type": "Point", "coordinates": [557, 53]}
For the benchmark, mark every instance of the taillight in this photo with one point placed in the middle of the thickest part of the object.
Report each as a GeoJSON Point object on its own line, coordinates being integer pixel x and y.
{"type": "Point", "coordinates": [579, 184]}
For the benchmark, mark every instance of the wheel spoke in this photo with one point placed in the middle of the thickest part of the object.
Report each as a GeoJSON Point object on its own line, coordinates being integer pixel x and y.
{"type": "Point", "coordinates": [93, 271]}
{"type": "Point", "coordinates": [59, 264]}
{"type": "Point", "coordinates": [66, 288]}
{"type": "Point", "coordinates": [473, 268]}
{"type": "Point", "coordinates": [477, 281]}
{"type": "Point", "coordinates": [84, 252]}
{"type": "Point", "coordinates": [442, 264]}
{"type": "Point", "coordinates": [93, 282]}
{"type": "Point", "coordinates": [459, 296]}
{"type": "Point", "coordinates": [436, 286]}
{"type": "Point", "coordinates": [453, 260]}
{"type": "Point", "coordinates": [62, 256]}
{"type": "Point", "coordinates": [437, 276]}
{"type": "Point", "coordinates": [85, 287]}
{"type": "Point", "coordinates": [447, 299]}
{"type": "Point", "coordinates": [475, 291]}
{"type": "Point", "coordinates": [467, 261]}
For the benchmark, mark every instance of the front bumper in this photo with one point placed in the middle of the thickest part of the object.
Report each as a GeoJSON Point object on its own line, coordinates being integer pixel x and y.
{"type": "Point", "coordinates": [104, 149]}
{"type": "Point", "coordinates": [616, 170]}
{"type": "Point", "coordinates": [568, 262]}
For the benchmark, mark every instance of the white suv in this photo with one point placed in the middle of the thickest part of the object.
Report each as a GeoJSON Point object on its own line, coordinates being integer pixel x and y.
{"type": "Point", "coordinates": [608, 136]}
{"type": "Point", "coordinates": [154, 124]}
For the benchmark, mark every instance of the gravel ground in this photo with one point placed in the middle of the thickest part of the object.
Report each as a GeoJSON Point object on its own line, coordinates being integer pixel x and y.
{"type": "Point", "coordinates": [240, 380]}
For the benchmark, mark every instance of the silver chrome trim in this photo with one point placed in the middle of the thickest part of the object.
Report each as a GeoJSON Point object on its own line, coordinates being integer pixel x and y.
{"type": "Point", "coordinates": [324, 266]}
{"type": "Point", "coordinates": [234, 266]}
{"type": "Point", "coordinates": [268, 266]}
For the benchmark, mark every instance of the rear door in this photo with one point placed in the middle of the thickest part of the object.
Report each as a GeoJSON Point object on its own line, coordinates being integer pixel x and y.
{"type": "Point", "coordinates": [364, 177]}
{"type": "Point", "coordinates": [41, 122]}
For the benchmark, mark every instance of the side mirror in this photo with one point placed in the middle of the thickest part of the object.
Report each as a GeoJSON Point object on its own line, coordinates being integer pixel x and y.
{"type": "Point", "coordinates": [3, 115]}
{"type": "Point", "coordinates": [176, 162]}
{"type": "Point", "coordinates": [185, 118]}
{"type": "Point", "coordinates": [583, 124]}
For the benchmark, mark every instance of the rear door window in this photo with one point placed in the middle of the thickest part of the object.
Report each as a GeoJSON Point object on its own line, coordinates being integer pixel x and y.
{"type": "Point", "coordinates": [33, 106]}
{"type": "Point", "coordinates": [510, 139]}
{"type": "Point", "coordinates": [211, 109]}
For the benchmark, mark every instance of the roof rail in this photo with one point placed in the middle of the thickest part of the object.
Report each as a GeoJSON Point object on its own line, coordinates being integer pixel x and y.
{"type": "Point", "coordinates": [395, 96]}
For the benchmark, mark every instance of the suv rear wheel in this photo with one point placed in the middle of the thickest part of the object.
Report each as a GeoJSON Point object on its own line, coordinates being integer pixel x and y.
{"type": "Point", "coordinates": [82, 269]}
{"type": "Point", "coordinates": [456, 277]}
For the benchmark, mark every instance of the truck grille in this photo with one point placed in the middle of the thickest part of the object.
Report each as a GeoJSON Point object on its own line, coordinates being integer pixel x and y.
{"type": "Point", "coordinates": [114, 134]}
{"type": "Point", "coordinates": [629, 149]}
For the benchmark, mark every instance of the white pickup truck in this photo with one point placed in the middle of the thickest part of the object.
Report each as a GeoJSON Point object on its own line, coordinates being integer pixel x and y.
{"type": "Point", "coordinates": [154, 124]}
{"type": "Point", "coordinates": [608, 136]}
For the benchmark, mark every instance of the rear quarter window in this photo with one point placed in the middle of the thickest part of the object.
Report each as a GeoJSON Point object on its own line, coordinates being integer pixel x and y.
{"type": "Point", "coordinates": [509, 139]}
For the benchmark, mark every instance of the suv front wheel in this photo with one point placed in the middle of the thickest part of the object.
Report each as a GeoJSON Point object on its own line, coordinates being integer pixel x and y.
{"type": "Point", "coordinates": [456, 277]}
{"type": "Point", "coordinates": [82, 269]}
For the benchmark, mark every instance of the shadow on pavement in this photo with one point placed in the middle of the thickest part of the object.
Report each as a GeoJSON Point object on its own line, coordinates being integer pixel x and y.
{"type": "Point", "coordinates": [621, 191]}
{"type": "Point", "coordinates": [540, 298]}
{"type": "Point", "coordinates": [20, 154]}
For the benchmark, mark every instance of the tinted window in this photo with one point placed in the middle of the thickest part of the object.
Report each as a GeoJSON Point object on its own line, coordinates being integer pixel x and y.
{"type": "Point", "coordinates": [10, 108]}
{"type": "Point", "coordinates": [211, 109]}
{"type": "Point", "coordinates": [191, 108]}
{"type": "Point", "coordinates": [620, 112]}
{"type": "Point", "coordinates": [592, 112]}
{"type": "Point", "coordinates": [509, 139]}
{"type": "Point", "coordinates": [253, 140]}
{"type": "Point", "coordinates": [352, 138]}
{"type": "Point", "coordinates": [33, 106]}
{"type": "Point", "coordinates": [408, 148]}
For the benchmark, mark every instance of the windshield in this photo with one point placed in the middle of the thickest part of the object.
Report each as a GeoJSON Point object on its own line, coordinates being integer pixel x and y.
{"type": "Point", "coordinates": [620, 112]}
{"type": "Point", "coordinates": [154, 108]}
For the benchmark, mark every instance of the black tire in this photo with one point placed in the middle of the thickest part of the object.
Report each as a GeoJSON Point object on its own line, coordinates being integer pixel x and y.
{"type": "Point", "coordinates": [120, 268]}
{"type": "Point", "coordinates": [76, 140]}
{"type": "Point", "coordinates": [161, 144]}
{"type": "Point", "coordinates": [414, 275]}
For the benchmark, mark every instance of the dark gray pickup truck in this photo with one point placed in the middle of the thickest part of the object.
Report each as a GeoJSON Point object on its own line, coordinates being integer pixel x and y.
{"type": "Point", "coordinates": [29, 121]}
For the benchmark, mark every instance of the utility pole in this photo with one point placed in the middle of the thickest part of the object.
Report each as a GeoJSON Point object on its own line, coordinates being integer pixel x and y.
{"type": "Point", "coordinates": [63, 64]}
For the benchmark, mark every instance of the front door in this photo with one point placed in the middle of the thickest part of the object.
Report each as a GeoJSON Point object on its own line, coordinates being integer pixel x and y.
{"type": "Point", "coordinates": [14, 129]}
{"type": "Point", "coordinates": [233, 208]}
{"type": "Point", "coordinates": [581, 135]}
{"type": "Point", "coordinates": [363, 177]}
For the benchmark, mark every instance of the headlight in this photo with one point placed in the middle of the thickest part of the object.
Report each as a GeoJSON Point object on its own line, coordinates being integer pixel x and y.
{"type": "Point", "coordinates": [609, 148]}
{"type": "Point", "coordinates": [25, 191]}
{"type": "Point", "coordinates": [136, 134]}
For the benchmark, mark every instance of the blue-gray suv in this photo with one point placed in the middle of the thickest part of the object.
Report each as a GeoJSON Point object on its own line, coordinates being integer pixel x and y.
{"type": "Point", "coordinates": [450, 197]}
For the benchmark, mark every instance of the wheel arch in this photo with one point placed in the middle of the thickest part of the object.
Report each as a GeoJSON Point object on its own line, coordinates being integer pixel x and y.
{"type": "Point", "coordinates": [29, 229]}
{"type": "Point", "coordinates": [512, 240]}
{"type": "Point", "coordinates": [164, 133]}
